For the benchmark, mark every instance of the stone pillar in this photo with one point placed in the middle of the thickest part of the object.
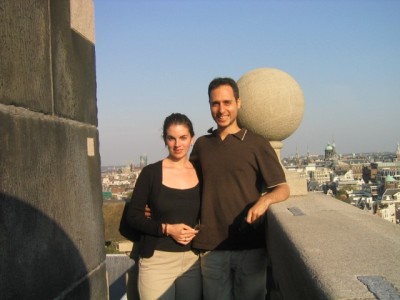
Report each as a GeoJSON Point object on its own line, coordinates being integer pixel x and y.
{"type": "Point", "coordinates": [51, 225]}
{"type": "Point", "coordinates": [272, 105]}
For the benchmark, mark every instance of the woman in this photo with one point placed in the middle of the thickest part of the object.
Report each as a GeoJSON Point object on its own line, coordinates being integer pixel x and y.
{"type": "Point", "coordinates": [168, 268]}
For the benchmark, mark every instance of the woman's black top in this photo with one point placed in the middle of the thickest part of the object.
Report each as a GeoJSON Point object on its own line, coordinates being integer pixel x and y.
{"type": "Point", "coordinates": [177, 206]}
{"type": "Point", "coordinates": [168, 205]}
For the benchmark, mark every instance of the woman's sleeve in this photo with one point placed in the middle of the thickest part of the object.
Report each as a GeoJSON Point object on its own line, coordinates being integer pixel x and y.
{"type": "Point", "coordinates": [140, 197]}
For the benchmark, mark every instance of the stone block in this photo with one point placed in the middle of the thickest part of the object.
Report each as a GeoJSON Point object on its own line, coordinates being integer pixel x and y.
{"type": "Point", "coordinates": [50, 205]}
{"type": "Point", "coordinates": [73, 67]}
{"type": "Point", "coordinates": [25, 64]}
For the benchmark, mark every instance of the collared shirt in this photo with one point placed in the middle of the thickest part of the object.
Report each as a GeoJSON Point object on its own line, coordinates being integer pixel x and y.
{"type": "Point", "coordinates": [234, 172]}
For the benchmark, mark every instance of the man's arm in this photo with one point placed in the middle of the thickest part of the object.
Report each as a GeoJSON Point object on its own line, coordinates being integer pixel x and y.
{"type": "Point", "coordinates": [279, 193]}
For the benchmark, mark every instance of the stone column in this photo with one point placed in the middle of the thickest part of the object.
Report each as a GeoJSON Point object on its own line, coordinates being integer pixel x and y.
{"type": "Point", "coordinates": [51, 225]}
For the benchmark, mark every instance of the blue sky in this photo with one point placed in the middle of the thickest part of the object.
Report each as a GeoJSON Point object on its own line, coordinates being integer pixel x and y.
{"type": "Point", "coordinates": [154, 58]}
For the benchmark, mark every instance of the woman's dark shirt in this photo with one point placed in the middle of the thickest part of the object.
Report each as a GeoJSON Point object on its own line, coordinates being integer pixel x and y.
{"type": "Point", "coordinates": [176, 206]}
{"type": "Point", "coordinates": [149, 190]}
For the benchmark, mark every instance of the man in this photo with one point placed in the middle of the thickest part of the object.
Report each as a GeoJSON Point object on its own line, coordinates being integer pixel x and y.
{"type": "Point", "coordinates": [235, 166]}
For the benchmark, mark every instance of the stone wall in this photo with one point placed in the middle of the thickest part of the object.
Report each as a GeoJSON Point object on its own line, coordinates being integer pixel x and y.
{"type": "Point", "coordinates": [51, 225]}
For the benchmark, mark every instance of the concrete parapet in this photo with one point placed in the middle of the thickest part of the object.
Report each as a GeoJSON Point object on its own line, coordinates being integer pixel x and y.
{"type": "Point", "coordinates": [118, 266]}
{"type": "Point", "coordinates": [297, 184]}
{"type": "Point", "coordinates": [322, 248]}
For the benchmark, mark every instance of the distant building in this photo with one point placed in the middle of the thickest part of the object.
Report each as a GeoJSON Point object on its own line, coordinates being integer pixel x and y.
{"type": "Point", "coordinates": [391, 194]}
{"type": "Point", "coordinates": [143, 161]}
{"type": "Point", "coordinates": [390, 211]}
{"type": "Point", "coordinates": [391, 183]}
{"type": "Point", "coordinates": [312, 185]}
{"type": "Point", "coordinates": [322, 175]}
{"type": "Point", "coordinates": [330, 152]}
{"type": "Point", "coordinates": [398, 152]}
{"type": "Point", "coordinates": [361, 198]}
{"type": "Point", "coordinates": [371, 181]}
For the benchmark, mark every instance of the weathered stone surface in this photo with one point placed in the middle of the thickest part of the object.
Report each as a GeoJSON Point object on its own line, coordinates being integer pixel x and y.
{"type": "Point", "coordinates": [51, 225]}
{"type": "Point", "coordinates": [25, 64]}
{"type": "Point", "coordinates": [73, 67]}
{"type": "Point", "coordinates": [82, 18]}
{"type": "Point", "coordinates": [272, 103]}
{"type": "Point", "coordinates": [51, 203]}
{"type": "Point", "coordinates": [320, 254]}
{"type": "Point", "coordinates": [46, 65]}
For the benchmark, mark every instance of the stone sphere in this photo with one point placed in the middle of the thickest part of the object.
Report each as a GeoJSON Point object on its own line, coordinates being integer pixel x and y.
{"type": "Point", "coordinates": [272, 103]}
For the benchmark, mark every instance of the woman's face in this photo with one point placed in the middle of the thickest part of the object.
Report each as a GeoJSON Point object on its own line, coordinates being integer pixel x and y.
{"type": "Point", "coordinates": [178, 140]}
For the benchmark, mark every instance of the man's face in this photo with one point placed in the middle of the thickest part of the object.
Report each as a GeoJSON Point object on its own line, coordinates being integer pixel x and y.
{"type": "Point", "coordinates": [224, 107]}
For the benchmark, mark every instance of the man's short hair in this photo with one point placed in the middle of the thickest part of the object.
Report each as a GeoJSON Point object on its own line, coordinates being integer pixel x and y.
{"type": "Point", "coordinates": [217, 82]}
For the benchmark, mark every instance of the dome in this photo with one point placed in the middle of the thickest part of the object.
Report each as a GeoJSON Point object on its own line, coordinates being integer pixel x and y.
{"type": "Point", "coordinates": [329, 148]}
{"type": "Point", "coordinates": [389, 178]}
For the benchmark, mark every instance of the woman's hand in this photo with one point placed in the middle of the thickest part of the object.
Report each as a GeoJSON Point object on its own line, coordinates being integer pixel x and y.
{"type": "Point", "coordinates": [181, 233]}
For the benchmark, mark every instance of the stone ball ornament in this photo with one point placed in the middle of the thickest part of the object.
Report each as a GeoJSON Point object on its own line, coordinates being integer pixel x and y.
{"type": "Point", "coordinates": [272, 103]}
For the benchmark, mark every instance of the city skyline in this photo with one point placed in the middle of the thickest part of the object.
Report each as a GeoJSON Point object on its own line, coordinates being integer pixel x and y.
{"type": "Point", "coordinates": [157, 57]}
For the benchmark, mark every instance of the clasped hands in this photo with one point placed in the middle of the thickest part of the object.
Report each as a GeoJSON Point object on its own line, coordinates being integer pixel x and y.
{"type": "Point", "coordinates": [181, 233]}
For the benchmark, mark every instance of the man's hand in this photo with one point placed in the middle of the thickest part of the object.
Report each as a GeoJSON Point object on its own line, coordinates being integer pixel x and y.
{"type": "Point", "coordinates": [279, 193]}
{"type": "Point", "coordinates": [147, 212]}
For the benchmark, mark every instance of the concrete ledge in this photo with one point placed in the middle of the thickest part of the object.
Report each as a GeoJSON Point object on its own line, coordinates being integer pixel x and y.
{"type": "Point", "coordinates": [320, 247]}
